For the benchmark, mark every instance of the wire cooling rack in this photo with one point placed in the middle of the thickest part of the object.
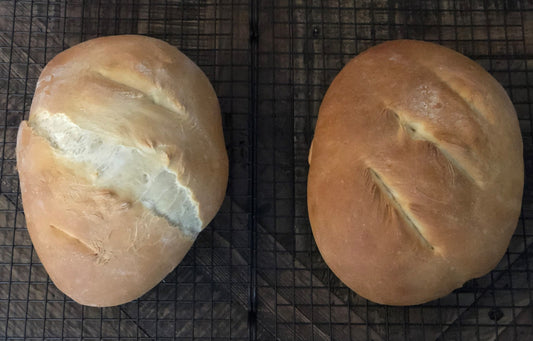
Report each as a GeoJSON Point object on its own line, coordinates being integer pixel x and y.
{"type": "Point", "coordinates": [255, 272]}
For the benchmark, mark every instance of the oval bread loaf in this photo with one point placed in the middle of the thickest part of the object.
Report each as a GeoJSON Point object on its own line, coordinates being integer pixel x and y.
{"type": "Point", "coordinates": [122, 163]}
{"type": "Point", "coordinates": [416, 173]}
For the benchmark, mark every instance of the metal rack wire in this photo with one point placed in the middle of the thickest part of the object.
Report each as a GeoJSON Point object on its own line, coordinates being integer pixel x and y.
{"type": "Point", "coordinates": [255, 272]}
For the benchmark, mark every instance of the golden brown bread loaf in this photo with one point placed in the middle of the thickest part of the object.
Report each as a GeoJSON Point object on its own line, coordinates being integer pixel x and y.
{"type": "Point", "coordinates": [416, 173]}
{"type": "Point", "coordinates": [122, 163]}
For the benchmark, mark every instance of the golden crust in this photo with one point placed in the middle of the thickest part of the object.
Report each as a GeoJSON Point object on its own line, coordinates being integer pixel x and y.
{"type": "Point", "coordinates": [416, 173]}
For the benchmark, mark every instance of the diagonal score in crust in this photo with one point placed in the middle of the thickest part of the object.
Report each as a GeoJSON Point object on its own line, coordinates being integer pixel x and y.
{"type": "Point", "coordinates": [96, 247]}
{"type": "Point", "coordinates": [67, 234]}
{"type": "Point", "coordinates": [156, 94]}
{"type": "Point", "coordinates": [416, 131]}
{"type": "Point", "coordinates": [457, 93]}
{"type": "Point", "coordinates": [386, 191]}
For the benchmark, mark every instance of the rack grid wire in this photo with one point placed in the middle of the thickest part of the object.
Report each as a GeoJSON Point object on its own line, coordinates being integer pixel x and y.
{"type": "Point", "coordinates": [255, 272]}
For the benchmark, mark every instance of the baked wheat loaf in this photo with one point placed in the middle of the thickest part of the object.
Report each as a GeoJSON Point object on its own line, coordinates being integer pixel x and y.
{"type": "Point", "coordinates": [122, 163]}
{"type": "Point", "coordinates": [416, 173]}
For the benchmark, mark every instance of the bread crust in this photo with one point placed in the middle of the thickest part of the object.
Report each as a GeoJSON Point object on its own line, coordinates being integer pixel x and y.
{"type": "Point", "coordinates": [416, 173]}
{"type": "Point", "coordinates": [101, 246]}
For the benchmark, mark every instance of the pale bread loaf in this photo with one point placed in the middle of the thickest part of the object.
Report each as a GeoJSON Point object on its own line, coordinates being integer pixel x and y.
{"type": "Point", "coordinates": [122, 163]}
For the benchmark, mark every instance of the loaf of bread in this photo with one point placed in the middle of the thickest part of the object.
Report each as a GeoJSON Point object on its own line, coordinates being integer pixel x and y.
{"type": "Point", "coordinates": [122, 163]}
{"type": "Point", "coordinates": [416, 173]}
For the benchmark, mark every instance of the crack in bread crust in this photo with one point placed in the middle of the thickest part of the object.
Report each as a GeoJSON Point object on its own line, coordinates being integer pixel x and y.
{"type": "Point", "coordinates": [176, 108]}
{"type": "Point", "coordinates": [458, 95]}
{"type": "Point", "coordinates": [387, 191]}
{"type": "Point", "coordinates": [172, 105]}
{"type": "Point", "coordinates": [68, 235]}
{"type": "Point", "coordinates": [421, 135]}
{"type": "Point", "coordinates": [95, 246]}
{"type": "Point", "coordinates": [159, 195]}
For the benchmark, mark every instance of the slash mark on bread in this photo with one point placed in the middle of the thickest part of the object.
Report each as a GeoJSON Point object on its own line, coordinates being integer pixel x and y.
{"type": "Point", "coordinates": [381, 188]}
{"type": "Point", "coordinates": [94, 247]}
{"type": "Point", "coordinates": [459, 97]}
{"type": "Point", "coordinates": [159, 101]}
{"type": "Point", "coordinates": [416, 132]}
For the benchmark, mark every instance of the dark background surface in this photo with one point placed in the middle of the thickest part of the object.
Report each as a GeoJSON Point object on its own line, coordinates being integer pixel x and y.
{"type": "Point", "coordinates": [255, 272]}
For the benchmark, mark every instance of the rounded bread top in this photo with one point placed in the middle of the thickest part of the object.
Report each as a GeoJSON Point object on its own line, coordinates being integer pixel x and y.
{"type": "Point", "coordinates": [143, 94]}
{"type": "Point", "coordinates": [416, 172]}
